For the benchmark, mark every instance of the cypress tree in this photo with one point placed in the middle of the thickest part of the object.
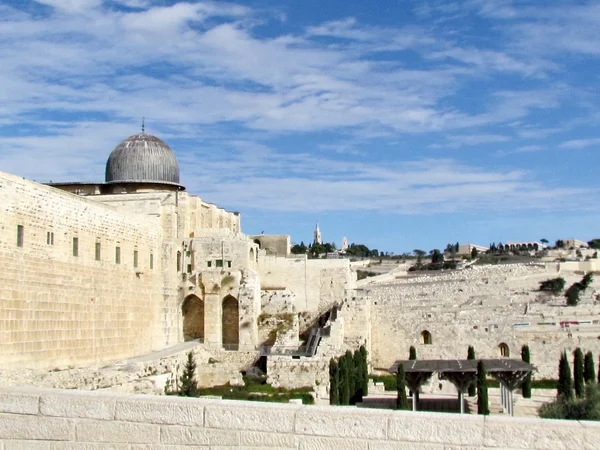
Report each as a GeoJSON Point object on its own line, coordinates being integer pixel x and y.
{"type": "Point", "coordinates": [526, 385]}
{"type": "Point", "coordinates": [358, 374]}
{"type": "Point", "coordinates": [187, 381]}
{"type": "Point", "coordinates": [589, 373]}
{"type": "Point", "coordinates": [578, 373]}
{"type": "Point", "coordinates": [598, 369]}
{"type": "Point", "coordinates": [482, 393]}
{"type": "Point", "coordinates": [401, 400]}
{"type": "Point", "coordinates": [564, 387]}
{"type": "Point", "coordinates": [473, 386]}
{"type": "Point", "coordinates": [334, 383]}
{"type": "Point", "coordinates": [344, 381]}
{"type": "Point", "coordinates": [412, 353]}
{"type": "Point", "coordinates": [365, 369]}
{"type": "Point", "coordinates": [351, 377]}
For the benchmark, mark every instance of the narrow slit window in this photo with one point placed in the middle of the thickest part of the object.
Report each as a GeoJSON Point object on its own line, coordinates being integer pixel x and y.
{"type": "Point", "coordinates": [20, 235]}
{"type": "Point", "coordinates": [97, 251]}
{"type": "Point", "coordinates": [151, 261]}
{"type": "Point", "coordinates": [118, 255]}
{"type": "Point", "coordinates": [75, 246]}
{"type": "Point", "coordinates": [50, 238]}
{"type": "Point", "coordinates": [135, 258]}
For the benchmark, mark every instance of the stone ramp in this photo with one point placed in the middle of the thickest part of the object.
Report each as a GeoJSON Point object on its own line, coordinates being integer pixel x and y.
{"type": "Point", "coordinates": [159, 354]}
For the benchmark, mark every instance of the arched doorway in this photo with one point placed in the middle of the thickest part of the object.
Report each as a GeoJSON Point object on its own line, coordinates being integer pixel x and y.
{"type": "Point", "coordinates": [231, 323]}
{"type": "Point", "coordinates": [257, 242]}
{"type": "Point", "coordinates": [504, 350]}
{"type": "Point", "coordinates": [426, 338]}
{"type": "Point", "coordinates": [192, 310]}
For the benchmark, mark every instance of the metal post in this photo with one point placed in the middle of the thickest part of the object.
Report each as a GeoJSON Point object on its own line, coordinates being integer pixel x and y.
{"type": "Point", "coordinates": [414, 398]}
{"type": "Point", "coordinates": [511, 405]}
{"type": "Point", "coordinates": [461, 400]}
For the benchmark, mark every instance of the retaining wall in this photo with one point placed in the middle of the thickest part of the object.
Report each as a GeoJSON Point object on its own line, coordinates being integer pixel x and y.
{"type": "Point", "coordinates": [52, 419]}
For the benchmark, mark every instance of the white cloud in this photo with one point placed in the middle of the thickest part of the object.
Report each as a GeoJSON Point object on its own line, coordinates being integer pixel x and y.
{"type": "Point", "coordinates": [580, 143]}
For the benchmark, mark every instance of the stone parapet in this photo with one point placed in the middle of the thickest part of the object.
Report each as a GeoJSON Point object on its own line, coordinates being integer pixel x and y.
{"type": "Point", "coordinates": [33, 418]}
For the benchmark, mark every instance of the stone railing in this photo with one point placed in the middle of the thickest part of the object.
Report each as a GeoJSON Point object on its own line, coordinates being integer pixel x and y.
{"type": "Point", "coordinates": [52, 419]}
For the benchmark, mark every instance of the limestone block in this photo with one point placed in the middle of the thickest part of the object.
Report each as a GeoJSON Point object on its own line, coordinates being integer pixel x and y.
{"type": "Point", "coordinates": [592, 433]}
{"type": "Point", "coordinates": [323, 443]}
{"type": "Point", "coordinates": [19, 403]}
{"type": "Point", "coordinates": [35, 427]}
{"type": "Point", "coordinates": [436, 428]}
{"type": "Point", "coordinates": [197, 436]}
{"type": "Point", "coordinates": [534, 433]}
{"type": "Point", "coordinates": [391, 445]}
{"type": "Point", "coordinates": [162, 410]}
{"type": "Point", "coordinates": [26, 445]}
{"type": "Point", "coordinates": [133, 433]}
{"type": "Point", "coordinates": [268, 440]}
{"type": "Point", "coordinates": [250, 416]}
{"type": "Point", "coordinates": [86, 446]}
{"type": "Point", "coordinates": [77, 404]}
{"type": "Point", "coordinates": [343, 422]}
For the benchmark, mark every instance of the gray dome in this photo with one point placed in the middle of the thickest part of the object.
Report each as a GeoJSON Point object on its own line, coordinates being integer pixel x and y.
{"type": "Point", "coordinates": [142, 158]}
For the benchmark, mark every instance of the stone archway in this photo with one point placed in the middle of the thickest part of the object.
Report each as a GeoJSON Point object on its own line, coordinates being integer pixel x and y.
{"type": "Point", "coordinates": [192, 311]}
{"type": "Point", "coordinates": [426, 338]}
{"type": "Point", "coordinates": [504, 350]}
{"type": "Point", "coordinates": [231, 323]}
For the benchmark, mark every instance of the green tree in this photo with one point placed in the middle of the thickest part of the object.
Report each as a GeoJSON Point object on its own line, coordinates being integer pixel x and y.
{"type": "Point", "coordinates": [401, 400]}
{"type": "Point", "coordinates": [482, 392]}
{"type": "Point", "coordinates": [419, 254]}
{"type": "Point", "coordinates": [564, 387]}
{"type": "Point", "coordinates": [351, 377]}
{"type": "Point", "coordinates": [526, 385]}
{"type": "Point", "coordinates": [474, 253]}
{"type": "Point", "coordinates": [334, 382]}
{"type": "Point", "coordinates": [471, 356]}
{"type": "Point", "coordinates": [544, 240]}
{"type": "Point", "coordinates": [412, 353]}
{"type": "Point", "coordinates": [559, 243]}
{"type": "Point", "coordinates": [187, 381]}
{"type": "Point", "coordinates": [594, 243]}
{"type": "Point", "coordinates": [554, 285]}
{"type": "Point", "coordinates": [572, 295]}
{"type": "Point", "coordinates": [358, 376]}
{"type": "Point", "coordinates": [578, 373]}
{"type": "Point", "coordinates": [365, 369]}
{"type": "Point", "coordinates": [437, 257]}
{"type": "Point", "coordinates": [344, 380]}
{"type": "Point", "coordinates": [588, 370]}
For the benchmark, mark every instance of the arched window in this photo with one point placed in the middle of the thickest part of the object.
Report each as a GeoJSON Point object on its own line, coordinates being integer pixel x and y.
{"type": "Point", "coordinates": [426, 337]}
{"type": "Point", "coordinates": [192, 311]}
{"type": "Point", "coordinates": [257, 242]}
{"type": "Point", "coordinates": [504, 350]}
{"type": "Point", "coordinates": [231, 323]}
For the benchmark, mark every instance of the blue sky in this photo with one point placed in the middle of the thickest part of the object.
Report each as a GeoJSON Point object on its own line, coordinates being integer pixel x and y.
{"type": "Point", "coordinates": [399, 124]}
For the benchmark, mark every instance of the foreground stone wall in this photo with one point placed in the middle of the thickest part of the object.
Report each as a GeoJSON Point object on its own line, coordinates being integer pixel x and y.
{"type": "Point", "coordinates": [84, 286]}
{"type": "Point", "coordinates": [53, 419]}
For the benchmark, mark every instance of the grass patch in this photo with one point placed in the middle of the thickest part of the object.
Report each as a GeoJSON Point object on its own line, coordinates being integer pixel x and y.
{"type": "Point", "coordinates": [535, 384]}
{"type": "Point", "coordinates": [257, 391]}
{"type": "Point", "coordinates": [389, 381]}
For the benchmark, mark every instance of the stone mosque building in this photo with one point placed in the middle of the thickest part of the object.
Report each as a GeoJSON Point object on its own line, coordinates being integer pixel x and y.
{"type": "Point", "coordinates": [95, 272]}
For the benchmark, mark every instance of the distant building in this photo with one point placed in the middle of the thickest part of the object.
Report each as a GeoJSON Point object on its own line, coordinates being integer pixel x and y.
{"type": "Point", "coordinates": [344, 245]}
{"type": "Point", "coordinates": [575, 243]}
{"type": "Point", "coordinates": [466, 249]}
{"type": "Point", "coordinates": [529, 245]}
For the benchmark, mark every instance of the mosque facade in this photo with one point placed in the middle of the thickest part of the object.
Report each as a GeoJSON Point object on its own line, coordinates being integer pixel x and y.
{"type": "Point", "coordinates": [95, 272]}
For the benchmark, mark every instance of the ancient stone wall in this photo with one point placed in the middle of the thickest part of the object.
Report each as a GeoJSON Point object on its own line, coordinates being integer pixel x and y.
{"type": "Point", "coordinates": [44, 419]}
{"type": "Point", "coordinates": [273, 245]}
{"type": "Point", "coordinates": [80, 282]}
{"type": "Point", "coordinates": [485, 307]}
{"type": "Point", "coordinates": [317, 283]}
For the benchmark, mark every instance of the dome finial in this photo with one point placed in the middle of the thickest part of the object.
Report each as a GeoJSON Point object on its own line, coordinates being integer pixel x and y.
{"type": "Point", "coordinates": [143, 124]}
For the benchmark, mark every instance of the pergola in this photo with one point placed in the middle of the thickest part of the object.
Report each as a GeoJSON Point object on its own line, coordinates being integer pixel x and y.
{"type": "Point", "coordinates": [463, 372]}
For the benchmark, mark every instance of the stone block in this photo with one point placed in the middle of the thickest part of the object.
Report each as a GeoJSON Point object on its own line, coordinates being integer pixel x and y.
{"type": "Point", "coordinates": [162, 410]}
{"type": "Point", "coordinates": [342, 422]}
{"type": "Point", "coordinates": [36, 428]}
{"type": "Point", "coordinates": [524, 433]}
{"type": "Point", "coordinates": [19, 403]}
{"type": "Point", "coordinates": [251, 416]}
{"type": "Point", "coordinates": [116, 432]}
{"type": "Point", "coordinates": [88, 446]}
{"type": "Point", "coordinates": [391, 445]}
{"type": "Point", "coordinates": [27, 445]}
{"type": "Point", "coordinates": [451, 429]}
{"type": "Point", "coordinates": [78, 404]}
{"type": "Point", "coordinates": [268, 440]}
{"type": "Point", "coordinates": [592, 434]}
{"type": "Point", "coordinates": [324, 443]}
{"type": "Point", "coordinates": [175, 435]}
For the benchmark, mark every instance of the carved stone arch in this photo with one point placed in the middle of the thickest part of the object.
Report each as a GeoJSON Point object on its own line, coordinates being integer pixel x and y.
{"type": "Point", "coordinates": [231, 323]}
{"type": "Point", "coordinates": [192, 310]}
{"type": "Point", "coordinates": [504, 350]}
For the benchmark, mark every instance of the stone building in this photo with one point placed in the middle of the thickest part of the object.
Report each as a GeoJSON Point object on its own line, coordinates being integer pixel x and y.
{"type": "Point", "coordinates": [92, 272]}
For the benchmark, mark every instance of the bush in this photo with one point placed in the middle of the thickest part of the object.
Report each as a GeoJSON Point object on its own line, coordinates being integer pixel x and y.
{"type": "Point", "coordinates": [554, 285]}
{"type": "Point", "coordinates": [390, 382]}
{"type": "Point", "coordinates": [401, 400]}
{"type": "Point", "coordinates": [570, 409]}
{"type": "Point", "coordinates": [187, 381]}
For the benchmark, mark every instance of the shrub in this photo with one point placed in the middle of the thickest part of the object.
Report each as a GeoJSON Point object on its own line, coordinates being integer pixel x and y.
{"type": "Point", "coordinates": [587, 408]}
{"type": "Point", "coordinates": [554, 285]}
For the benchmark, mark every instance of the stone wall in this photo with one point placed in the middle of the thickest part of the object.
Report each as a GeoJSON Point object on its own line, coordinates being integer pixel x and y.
{"type": "Point", "coordinates": [316, 283]}
{"type": "Point", "coordinates": [67, 297]}
{"type": "Point", "coordinates": [53, 419]}
{"type": "Point", "coordinates": [484, 306]}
